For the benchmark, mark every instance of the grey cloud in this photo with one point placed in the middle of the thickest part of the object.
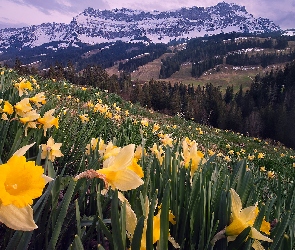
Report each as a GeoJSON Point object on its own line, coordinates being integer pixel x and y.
{"type": "Point", "coordinates": [74, 6]}
{"type": "Point", "coordinates": [281, 12]}
{"type": "Point", "coordinates": [285, 21]}
{"type": "Point", "coordinates": [4, 25]}
{"type": "Point", "coordinates": [79, 5]}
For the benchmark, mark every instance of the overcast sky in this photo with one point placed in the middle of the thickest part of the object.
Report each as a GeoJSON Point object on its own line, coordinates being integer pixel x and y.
{"type": "Point", "coordinates": [19, 13]}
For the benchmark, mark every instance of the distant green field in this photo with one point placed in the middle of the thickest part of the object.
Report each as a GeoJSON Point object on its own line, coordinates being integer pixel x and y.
{"type": "Point", "coordinates": [226, 76]}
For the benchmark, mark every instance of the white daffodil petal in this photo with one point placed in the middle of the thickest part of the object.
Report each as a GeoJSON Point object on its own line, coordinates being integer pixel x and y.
{"type": "Point", "coordinates": [248, 214]}
{"type": "Point", "coordinates": [108, 162]}
{"type": "Point", "coordinates": [231, 237]}
{"type": "Point", "coordinates": [255, 234]}
{"type": "Point", "coordinates": [236, 204]}
{"type": "Point", "coordinates": [124, 158]}
{"type": "Point", "coordinates": [131, 219]}
{"type": "Point", "coordinates": [47, 178]}
{"type": "Point", "coordinates": [23, 150]}
{"type": "Point", "coordinates": [127, 180]}
{"type": "Point", "coordinates": [17, 218]}
{"type": "Point", "coordinates": [257, 245]}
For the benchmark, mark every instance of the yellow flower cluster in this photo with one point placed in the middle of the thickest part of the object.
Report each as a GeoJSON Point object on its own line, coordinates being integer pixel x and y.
{"type": "Point", "coordinates": [23, 86]}
{"type": "Point", "coordinates": [26, 114]}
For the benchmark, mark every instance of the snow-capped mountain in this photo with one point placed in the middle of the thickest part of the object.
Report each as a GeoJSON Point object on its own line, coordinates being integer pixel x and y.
{"type": "Point", "coordinates": [97, 26]}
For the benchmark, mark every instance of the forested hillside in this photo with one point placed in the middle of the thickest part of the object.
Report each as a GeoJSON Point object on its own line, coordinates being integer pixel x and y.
{"type": "Point", "coordinates": [266, 110]}
{"type": "Point", "coordinates": [232, 49]}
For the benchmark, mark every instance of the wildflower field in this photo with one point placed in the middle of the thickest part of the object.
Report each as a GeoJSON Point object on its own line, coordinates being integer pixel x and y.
{"type": "Point", "coordinates": [82, 169]}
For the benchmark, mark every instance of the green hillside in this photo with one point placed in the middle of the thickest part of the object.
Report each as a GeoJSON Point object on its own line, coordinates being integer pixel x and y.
{"type": "Point", "coordinates": [124, 176]}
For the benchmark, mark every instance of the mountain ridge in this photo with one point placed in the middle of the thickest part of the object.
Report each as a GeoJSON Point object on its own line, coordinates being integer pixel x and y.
{"type": "Point", "coordinates": [96, 26]}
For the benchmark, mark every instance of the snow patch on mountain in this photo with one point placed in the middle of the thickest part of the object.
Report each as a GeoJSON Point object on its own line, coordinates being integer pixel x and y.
{"type": "Point", "coordinates": [98, 26]}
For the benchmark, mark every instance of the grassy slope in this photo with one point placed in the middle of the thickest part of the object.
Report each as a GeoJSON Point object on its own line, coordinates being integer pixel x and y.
{"type": "Point", "coordinates": [277, 158]}
{"type": "Point", "coordinates": [71, 101]}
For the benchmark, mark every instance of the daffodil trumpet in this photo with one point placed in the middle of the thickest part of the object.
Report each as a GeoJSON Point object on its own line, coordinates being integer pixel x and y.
{"type": "Point", "coordinates": [21, 181]}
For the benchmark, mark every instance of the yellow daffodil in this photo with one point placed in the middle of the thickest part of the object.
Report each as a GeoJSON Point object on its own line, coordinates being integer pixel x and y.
{"type": "Point", "coordinates": [7, 108]}
{"type": "Point", "coordinates": [116, 170]}
{"type": "Point", "coordinates": [231, 152]}
{"type": "Point", "coordinates": [30, 119]}
{"type": "Point", "coordinates": [144, 122]}
{"type": "Point", "coordinates": [109, 114]}
{"type": "Point", "coordinates": [91, 146]}
{"type": "Point", "coordinates": [260, 155]}
{"type": "Point", "coordinates": [48, 120]}
{"type": "Point", "coordinates": [243, 218]}
{"type": "Point", "coordinates": [101, 108]}
{"type": "Point", "coordinates": [167, 140]}
{"type": "Point", "coordinates": [38, 99]}
{"type": "Point", "coordinates": [138, 152]}
{"type": "Point", "coordinates": [29, 116]}
{"type": "Point", "coordinates": [188, 141]}
{"type": "Point", "coordinates": [90, 104]}
{"type": "Point", "coordinates": [84, 118]}
{"type": "Point", "coordinates": [4, 117]}
{"type": "Point", "coordinates": [210, 152]}
{"type": "Point", "coordinates": [51, 150]}
{"type": "Point", "coordinates": [23, 86]}
{"type": "Point", "coordinates": [270, 174]}
{"type": "Point", "coordinates": [158, 152]}
{"type": "Point", "coordinates": [131, 222]}
{"type": "Point", "coordinates": [262, 169]}
{"type": "Point", "coordinates": [109, 150]}
{"type": "Point", "coordinates": [251, 157]}
{"type": "Point", "coordinates": [117, 117]}
{"type": "Point", "coordinates": [192, 156]}
{"type": "Point", "coordinates": [227, 158]}
{"type": "Point", "coordinates": [156, 127]}
{"type": "Point", "coordinates": [21, 181]}
{"type": "Point", "coordinates": [23, 106]}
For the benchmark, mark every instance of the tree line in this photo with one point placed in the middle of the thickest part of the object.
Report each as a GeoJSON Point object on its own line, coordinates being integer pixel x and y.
{"type": "Point", "coordinates": [266, 110]}
{"type": "Point", "coordinates": [263, 59]}
{"type": "Point", "coordinates": [206, 53]}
